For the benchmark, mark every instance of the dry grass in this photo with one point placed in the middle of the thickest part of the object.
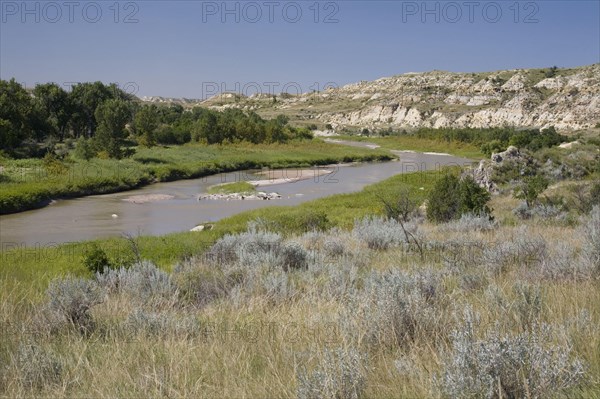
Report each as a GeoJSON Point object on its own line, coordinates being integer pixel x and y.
{"type": "Point", "coordinates": [256, 341]}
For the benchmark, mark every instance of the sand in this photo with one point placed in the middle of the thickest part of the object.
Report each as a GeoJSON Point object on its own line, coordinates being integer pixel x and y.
{"type": "Point", "coordinates": [142, 199]}
{"type": "Point", "coordinates": [281, 176]}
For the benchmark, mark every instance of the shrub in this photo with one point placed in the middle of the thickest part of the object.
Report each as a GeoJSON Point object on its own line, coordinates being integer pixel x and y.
{"type": "Point", "coordinates": [277, 286]}
{"type": "Point", "coordinates": [143, 282]}
{"type": "Point", "coordinates": [443, 202]}
{"type": "Point", "coordinates": [334, 245]}
{"type": "Point", "coordinates": [452, 197]}
{"type": "Point", "coordinates": [72, 298]}
{"type": "Point", "coordinates": [402, 207]}
{"type": "Point", "coordinates": [522, 211]}
{"type": "Point", "coordinates": [525, 365]}
{"type": "Point", "coordinates": [473, 198]}
{"type": "Point", "coordinates": [250, 249]}
{"type": "Point", "coordinates": [37, 367]}
{"type": "Point", "coordinates": [201, 284]}
{"type": "Point", "coordinates": [521, 250]}
{"type": "Point", "coordinates": [470, 222]}
{"type": "Point", "coordinates": [584, 199]}
{"type": "Point", "coordinates": [379, 233]}
{"type": "Point", "coordinates": [293, 256]}
{"type": "Point", "coordinates": [530, 188]}
{"type": "Point", "coordinates": [84, 149]}
{"type": "Point", "coordinates": [339, 375]}
{"type": "Point", "coordinates": [96, 260]}
{"type": "Point", "coordinates": [395, 308]}
{"type": "Point", "coordinates": [563, 264]}
{"type": "Point", "coordinates": [590, 232]}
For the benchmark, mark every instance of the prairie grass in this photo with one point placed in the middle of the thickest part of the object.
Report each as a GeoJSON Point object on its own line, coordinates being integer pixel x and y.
{"type": "Point", "coordinates": [489, 310]}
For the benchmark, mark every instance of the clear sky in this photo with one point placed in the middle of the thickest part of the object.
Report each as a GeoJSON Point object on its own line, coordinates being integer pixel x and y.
{"type": "Point", "coordinates": [194, 48]}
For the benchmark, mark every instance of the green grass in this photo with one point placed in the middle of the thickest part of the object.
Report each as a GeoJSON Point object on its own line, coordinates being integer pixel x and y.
{"type": "Point", "coordinates": [29, 183]}
{"type": "Point", "coordinates": [241, 187]}
{"type": "Point", "coordinates": [420, 145]}
{"type": "Point", "coordinates": [37, 266]}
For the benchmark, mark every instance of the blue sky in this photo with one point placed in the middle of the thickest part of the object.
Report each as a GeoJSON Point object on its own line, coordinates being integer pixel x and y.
{"type": "Point", "coordinates": [191, 48]}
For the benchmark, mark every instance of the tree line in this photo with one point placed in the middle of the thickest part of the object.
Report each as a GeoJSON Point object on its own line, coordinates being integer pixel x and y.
{"type": "Point", "coordinates": [105, 120]}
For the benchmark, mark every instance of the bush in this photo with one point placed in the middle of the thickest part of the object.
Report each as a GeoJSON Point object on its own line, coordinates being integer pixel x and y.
{"type": "Point", "coordinates": [293, 257]}
{"type": "Point", "coordinates": [378, 233]}
{"type": "Point", "coordinates": [84, 149]}
{"type": "Point", "coordinates": [590, 232]}
{"type": "Point", "coordinates": [452, 197]}
{"type": "Point", "coordinates": [37, 367]}
{"type": "Point", "coordinates": [96, 260]}
{"type": "Point", "coordinates": [525, 365]}
{"type": "Point", "coordinates": [530, 188]}
{"type": "Point", "coordinates": [396, 308]}
{"type": "Point", "coordinates": [249, 249]}
{"type": "Point", "coordinates": [473, 198]}
{"type": "Point", "coordinates": [143, 282]}
{"type": "Point", "coordinates": [72, 298]}
{"type": "Point", "coordinates": [403, 207]}
{"type": "Point", "coordinates": [470, 222]}
{"type": "Point", "coordinates": [201, 284]}
{"type": "Point", "coordinates": [339, 375]}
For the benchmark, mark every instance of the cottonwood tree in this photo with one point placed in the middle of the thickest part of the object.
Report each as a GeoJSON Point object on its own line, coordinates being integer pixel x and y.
{"type": "Point", "coordinates": [111, 117]}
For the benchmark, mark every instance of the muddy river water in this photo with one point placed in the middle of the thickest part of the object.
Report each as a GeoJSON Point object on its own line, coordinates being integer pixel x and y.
{"type": "Point", "coordinates": [180, 210]}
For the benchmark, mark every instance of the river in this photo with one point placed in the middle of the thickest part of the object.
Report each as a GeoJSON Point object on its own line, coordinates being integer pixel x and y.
{"type": "Point", "coordinates": [109, 215]}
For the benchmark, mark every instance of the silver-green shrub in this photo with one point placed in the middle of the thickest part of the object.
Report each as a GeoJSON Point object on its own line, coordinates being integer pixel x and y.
{"type": "Point", "coordinates": [72, 298]}
{"type": "Point", "coordinates": [508, 366]}
{"type": "Point", "coordinates": [340, 374]}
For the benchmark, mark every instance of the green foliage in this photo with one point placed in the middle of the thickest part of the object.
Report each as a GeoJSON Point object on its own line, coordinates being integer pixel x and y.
{"type": "Point", "coordinates": [15, 115]}
{"type": "Point", "coordinates": [443, 203]}
{"type": "Point", "coordinates": [96, 260]}
{"type": "Point", "coordinates": [53, 165]}
{"type": "Point", "coordinates": [229, 188]}
{"type": "Point", "coordinates": [551, 72]}
{"type": "Point", "coordinates": [494, 139]}
{"type": "Point", "coordinates": [112, 116]}
{"type": "Point", "coordinates": [530, 188]}
{"type": "Point", "coordinates": [452, 197]}
{"type": "Point", "coordinates": [55, 106]}
{"type": "Point", "coordinates": [145, 124]}
{"type": "Point", "coordinates": [492, 147]}
{"type": "Point", "coordinates": [84, 149]}
{"type": "Point", "coordinates": [473, 198]}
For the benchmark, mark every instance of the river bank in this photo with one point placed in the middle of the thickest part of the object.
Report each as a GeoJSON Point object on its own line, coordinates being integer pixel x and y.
{"type": "Point", "coordinates": [33, 183]}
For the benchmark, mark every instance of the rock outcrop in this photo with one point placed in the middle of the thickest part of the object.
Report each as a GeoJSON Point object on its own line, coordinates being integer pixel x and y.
{"type": "Point", "coordinates": [568, 99]}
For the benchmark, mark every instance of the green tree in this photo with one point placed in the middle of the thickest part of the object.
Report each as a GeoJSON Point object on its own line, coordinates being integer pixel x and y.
{"type": "Point", "coordinates": [111, 118]}
{"type": "Point", "coordinates": [16, 108]}
{"type": "Point", "coordinates": [86, 98]}
{"type": "Point", "coordinates": [473, 198]}
{"type": "Point", "coordinates": [55, 105]}
{"type": "Point", "coordinates": [145, 124]}
{"type": "Point", "coordinates": [84, 149]}
{"type": "Point", "coordinates": [452, 197]}
{"type": "Point", "coordinates": [443, 202]}
{"type": "Point", "coordinates": [530, 188]}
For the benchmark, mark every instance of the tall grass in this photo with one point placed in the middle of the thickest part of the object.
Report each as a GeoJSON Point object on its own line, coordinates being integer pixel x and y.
{"type": "Point", "coordinates": [229, 313]}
